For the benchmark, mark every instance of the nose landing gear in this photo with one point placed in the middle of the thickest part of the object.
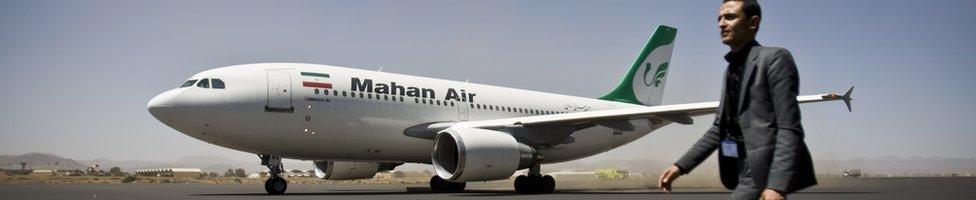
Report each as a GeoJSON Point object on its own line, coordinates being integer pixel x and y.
{"type": "Point", "coordinates": [275, 184]}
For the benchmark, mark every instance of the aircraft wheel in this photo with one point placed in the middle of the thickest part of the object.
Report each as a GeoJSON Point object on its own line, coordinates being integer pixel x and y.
{"type": "Point", "coordinates": [275, 185]}
{"type": "Point", "coordinates": [437, 184]}
{"type": "Point", "coordinates": [535, 184]}
{"type": "Point", "coordinates": [520, 183]}
{"type": "Point", "coordinates": [548, 184]}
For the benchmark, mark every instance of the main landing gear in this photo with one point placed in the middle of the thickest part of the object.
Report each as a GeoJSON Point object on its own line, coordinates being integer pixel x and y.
{"type": "Point", "coordinates": [275, 184]}
{"type": "Point", "coordinates": [535, 182]}
{"type": "Point", "coordinates": [437, 184]}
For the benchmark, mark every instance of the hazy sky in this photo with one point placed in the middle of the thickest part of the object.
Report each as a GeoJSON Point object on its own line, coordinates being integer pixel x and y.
{"type": "Point", "coordinates": [76, 75]}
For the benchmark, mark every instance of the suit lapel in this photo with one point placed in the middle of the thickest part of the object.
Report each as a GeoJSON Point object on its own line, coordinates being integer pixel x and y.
{"type": "Point", "coordinates": [750, 69]}
{"type": "Point", "coordinates": [721, 106]}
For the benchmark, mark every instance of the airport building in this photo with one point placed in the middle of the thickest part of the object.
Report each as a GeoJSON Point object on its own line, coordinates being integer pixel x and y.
{"type": "Point", "coordinates": [171, 172]}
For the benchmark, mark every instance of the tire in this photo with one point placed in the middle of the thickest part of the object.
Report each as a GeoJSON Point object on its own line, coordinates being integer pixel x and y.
{"type": "Point", "coordinates": [275, 185]}
{"type": "Point", "coordinates": [457, 187]}
{"type": "Point", "coordinates": [548, 184]}
{"type": "Point", "coordinates": [520, 183]}
{"type": "Point", "coordinates": [437, 184]}
{"type": "Point", "coordinates": [532, 184]}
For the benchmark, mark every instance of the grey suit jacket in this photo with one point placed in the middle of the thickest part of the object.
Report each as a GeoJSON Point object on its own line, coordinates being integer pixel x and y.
{"type": "Point", "coordinates": [769, 118]}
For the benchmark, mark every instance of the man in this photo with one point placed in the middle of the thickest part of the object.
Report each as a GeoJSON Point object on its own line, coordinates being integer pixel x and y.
{"type": "Point", "coordinates": [757, 125]}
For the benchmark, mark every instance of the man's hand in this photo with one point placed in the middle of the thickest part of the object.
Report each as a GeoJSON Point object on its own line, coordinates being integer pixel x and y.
{"type": "Point", "coordinates": [770, 194]}
{"type": "Point", "coordinates": [667, 177]}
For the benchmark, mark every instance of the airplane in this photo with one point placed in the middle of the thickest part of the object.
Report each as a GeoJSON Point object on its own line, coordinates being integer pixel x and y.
{"type": "Point", "coordinates": [354, 123]}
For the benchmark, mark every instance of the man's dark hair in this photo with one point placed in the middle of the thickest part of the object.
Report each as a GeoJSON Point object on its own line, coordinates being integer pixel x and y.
{"type": "Point", "coordinates": [749, 7]}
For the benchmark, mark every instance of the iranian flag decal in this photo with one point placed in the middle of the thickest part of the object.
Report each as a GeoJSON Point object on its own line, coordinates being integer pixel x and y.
{"type": "Point", "coordinates": [316, 80]}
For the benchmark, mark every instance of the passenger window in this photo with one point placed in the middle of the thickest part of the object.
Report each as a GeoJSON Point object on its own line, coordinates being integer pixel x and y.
{"type": "Point", "coordinates": [217, 83]}
{"type": "Point", "coordinates": [472, 105]}
{"type": "Point", "coordinates": [188, 83]}
{"type": "Point", "coordinates": [370, 95]}
{"type": "Point", "coordinates": [424, 100]}
{"type": "Point", "coordinates": [326, 92]}
{"type": "Point", "coordinates": [361, 95]}
{"type": "Point", "coordinates": [438, 102]}
{"type": "Point", "coordinates": [386, 98]}
{"type": "Point", "coordinates": [335, 93]}
{"type": "Point", "coordinates": [204, 83]}
{"type": "Point", "coordinates": [416, 100]}
{"type": "Point", "coordinates": [452, 104]}
{"type": "Point", "coordinates": [343, 93]}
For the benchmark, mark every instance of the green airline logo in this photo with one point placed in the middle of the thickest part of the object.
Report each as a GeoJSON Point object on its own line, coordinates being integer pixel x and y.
{"type": "Point", "coordinates": [658, 75]}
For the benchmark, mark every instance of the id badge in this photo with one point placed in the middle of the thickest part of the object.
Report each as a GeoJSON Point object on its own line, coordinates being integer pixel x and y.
{"type": "Point", "coordinates": [730, 149]}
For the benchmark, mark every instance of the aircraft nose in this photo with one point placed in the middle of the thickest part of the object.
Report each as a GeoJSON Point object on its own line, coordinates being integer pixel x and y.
{"type": "Point", "coordinates": [163, 106]}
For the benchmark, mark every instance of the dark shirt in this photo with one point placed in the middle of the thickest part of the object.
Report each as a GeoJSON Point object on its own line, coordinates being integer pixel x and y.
{"type": "Point", "coordinates": [733, 83]}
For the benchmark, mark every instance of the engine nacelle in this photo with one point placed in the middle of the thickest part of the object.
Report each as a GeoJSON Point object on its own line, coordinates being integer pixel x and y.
{"type": "Point", "coordinates": [348, 170]}
{"type": "Point", "coordinates": [471, 154]}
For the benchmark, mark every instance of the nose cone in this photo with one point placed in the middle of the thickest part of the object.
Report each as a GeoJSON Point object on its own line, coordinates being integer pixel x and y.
{"type": "Point", "coordinates": [163, 105]}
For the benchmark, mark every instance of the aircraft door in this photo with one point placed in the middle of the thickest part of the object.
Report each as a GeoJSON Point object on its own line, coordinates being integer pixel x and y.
{"type": "Point", "coordinates": [279, 92]}
{"type": "Point", "coordinates": [463, 110]}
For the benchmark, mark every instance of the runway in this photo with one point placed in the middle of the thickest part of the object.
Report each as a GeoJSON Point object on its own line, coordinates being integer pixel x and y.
{"type": "Point", "coordinates": [863, 188]}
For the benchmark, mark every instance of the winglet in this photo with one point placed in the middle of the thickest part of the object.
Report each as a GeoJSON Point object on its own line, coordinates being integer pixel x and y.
{"type": "Point", "coordinates": [847, 98]}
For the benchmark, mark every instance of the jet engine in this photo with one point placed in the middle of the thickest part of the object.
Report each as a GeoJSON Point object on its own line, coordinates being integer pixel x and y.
{"type": "Point", "coordinates": [471, 154]}
{"type": "Point", "coordinates": [348, 170]}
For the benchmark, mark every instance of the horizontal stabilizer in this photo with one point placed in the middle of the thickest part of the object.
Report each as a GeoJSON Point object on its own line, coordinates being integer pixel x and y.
{"type": "Point", "coordinates": [847, 98]}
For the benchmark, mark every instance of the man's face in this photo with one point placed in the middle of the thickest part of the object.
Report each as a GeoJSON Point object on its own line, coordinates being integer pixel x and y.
{"type": "Point", "coordinates": [734, 27]}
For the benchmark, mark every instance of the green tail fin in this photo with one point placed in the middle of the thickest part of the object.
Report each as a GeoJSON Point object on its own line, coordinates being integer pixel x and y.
{"type": "Point", "coordinates": [644, 82]}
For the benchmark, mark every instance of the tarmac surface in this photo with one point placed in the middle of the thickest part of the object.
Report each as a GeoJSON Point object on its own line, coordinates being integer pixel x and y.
{"type": "Point", "coordinates": [860, 188]}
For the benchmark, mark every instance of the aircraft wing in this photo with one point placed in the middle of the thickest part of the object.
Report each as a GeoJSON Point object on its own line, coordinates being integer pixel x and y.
{"type": "Point", "coordinates": [560, 126]}
{"type": "Point", "coordinates": [678, 113]}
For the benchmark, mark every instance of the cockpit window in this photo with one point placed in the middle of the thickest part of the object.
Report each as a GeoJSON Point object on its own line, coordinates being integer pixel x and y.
{"type": "Point", "coordinates": [204, 83]}
{"type": "Point", "coordinates": [188, 83]}
{"type": "Point", "coordinates": [217, 83]}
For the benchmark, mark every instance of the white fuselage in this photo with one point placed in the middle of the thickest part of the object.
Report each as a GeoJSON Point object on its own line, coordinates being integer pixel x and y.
{"type": "Point", "coordinates": [252, 113]}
